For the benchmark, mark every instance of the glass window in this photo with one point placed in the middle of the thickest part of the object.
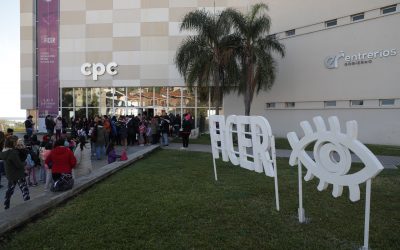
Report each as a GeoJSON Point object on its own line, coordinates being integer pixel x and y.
{"type": "Point", "coordinates": [80, 113]}
{"type": "Point", "coordinates": [357, 17]}
{"type": "Point", "coordinates": [271, 105]}
{"type": "Point", "coordinates": [133, 111]}
{"type": "Point", "coordinates": [202, 120]}
{"type": "Point", "coordinates": [160, 95]}
{"type": "Point", "coordinates": [133, 97]}
{"type": "Point", "coordinates": [147, 97]}
{"type": "Point", "coordinates": [120, 97]}
{"type": "Point", "coordinates": [388, 9]}
{"type": "Point", "coordinates": [387, 102]}
{"type": "Point", "coordinates": [331, 23]}
{"type": "Point", "coordinates": [202, 96]}
{"type": "Point", "coordinates": [189, 98]}
{"type": "Point", "coordinates": [80, 97]}
{"type": "Point", "coordinates": [100, 97]}
{"type": "Point", "coordinates": [67, 97]}
{"type": "Point", "coordinates": [290, 32]}
{"type": "Point", "coordinates": [175, 94]}
{"type": "Point", "coordinates": [92, 112]}
{"type": "Point", "coordinates": [67, 113]}
{"type": "Point", "coordinates": [93, 97]}
{"type": "Point", "coordinates": [356, 102]}
{"type": "Point", "coordinates": [330, 104]}
{"type": "Point", "coordinates": [290, 104]}
{"type": "Point", "coordinates": [120, 111]}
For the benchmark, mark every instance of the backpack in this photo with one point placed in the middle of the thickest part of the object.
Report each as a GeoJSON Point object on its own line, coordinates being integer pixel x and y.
{"type": "Point", "coordinates": [29, 162]}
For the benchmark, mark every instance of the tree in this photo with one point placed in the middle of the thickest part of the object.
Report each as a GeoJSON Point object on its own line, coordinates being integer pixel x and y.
{"type": "Point", "coordinates": [207, 58]}
{"type": "Point", "coordinates": [254, 50]}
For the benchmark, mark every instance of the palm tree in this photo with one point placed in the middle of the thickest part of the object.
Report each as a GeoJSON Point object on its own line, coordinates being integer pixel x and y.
{"type": "Point", "coordinates": [254, 50]}
{"type": "Point", "coordinates": [206, 59]}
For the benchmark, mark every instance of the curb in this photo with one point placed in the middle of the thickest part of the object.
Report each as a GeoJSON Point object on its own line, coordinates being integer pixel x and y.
{"type": "Point", "coordinates": [23, 213]}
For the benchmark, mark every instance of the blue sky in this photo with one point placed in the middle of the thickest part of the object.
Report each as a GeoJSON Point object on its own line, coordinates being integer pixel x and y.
{"type": "Point", "coordinates": [9, 60]}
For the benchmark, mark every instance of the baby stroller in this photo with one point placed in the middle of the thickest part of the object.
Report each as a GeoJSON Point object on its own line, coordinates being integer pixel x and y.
{"type": "Point", "coordinates": [66, 182]}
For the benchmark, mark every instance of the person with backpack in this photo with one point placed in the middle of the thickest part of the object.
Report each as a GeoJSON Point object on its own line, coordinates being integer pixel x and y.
{"type": "Point", "coordinates": [62, 162]}
{"type": "Point", "coordinates": [15, 170]}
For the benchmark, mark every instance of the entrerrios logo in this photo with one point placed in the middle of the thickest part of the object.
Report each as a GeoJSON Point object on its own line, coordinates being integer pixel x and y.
{"type": "Point", "coordinates": [332, 62]}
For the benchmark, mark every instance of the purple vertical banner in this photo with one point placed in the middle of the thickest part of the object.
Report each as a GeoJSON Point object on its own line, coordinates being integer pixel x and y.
{"type": "Point", "coordinates": [47, 57]}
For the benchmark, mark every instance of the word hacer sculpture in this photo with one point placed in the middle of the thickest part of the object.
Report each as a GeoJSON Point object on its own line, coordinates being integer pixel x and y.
{"type": "Point", "coordinates": [333, 161]}
{"type": "Point", "coordinates": [256, 143]}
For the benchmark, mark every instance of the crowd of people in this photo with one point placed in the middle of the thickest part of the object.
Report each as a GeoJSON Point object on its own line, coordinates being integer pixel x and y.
{"type": "Point", "coordinates": [58, 156]}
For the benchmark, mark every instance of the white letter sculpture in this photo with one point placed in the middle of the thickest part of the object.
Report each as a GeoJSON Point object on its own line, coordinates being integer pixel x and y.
{"type": "Point", "coordinates": [333, 161]}
{"type": "Point", "coordinates": [259, 144]}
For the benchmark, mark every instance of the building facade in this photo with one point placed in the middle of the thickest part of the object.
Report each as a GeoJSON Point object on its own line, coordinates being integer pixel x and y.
{"type": "Point", "coordinates": [328, 68]}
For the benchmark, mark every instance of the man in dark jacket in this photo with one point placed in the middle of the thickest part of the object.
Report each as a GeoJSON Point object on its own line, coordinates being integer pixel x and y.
{"type": "Point", "coordinates": [29, 126]}
{"type": "Point", "coordinates": [50, 124]}
{"type": "Point", "coordinates": [15, 170]}
{"type": "Point", "coordinates": [164, 126]}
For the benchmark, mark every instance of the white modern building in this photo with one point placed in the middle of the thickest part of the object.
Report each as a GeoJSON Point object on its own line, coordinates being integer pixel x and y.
{"type": "Point", "coordinates": [342, 58]}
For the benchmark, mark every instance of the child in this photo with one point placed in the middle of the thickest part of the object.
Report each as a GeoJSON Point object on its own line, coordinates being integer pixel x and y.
{"type": "Point", "coordinates": [112, 155]}
{"type": "Point", "coordinates": [43, 156]}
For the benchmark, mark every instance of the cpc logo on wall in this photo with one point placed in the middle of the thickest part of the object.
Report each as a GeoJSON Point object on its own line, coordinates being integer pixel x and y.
{"type": "Point", "coordinates": [98, 69]}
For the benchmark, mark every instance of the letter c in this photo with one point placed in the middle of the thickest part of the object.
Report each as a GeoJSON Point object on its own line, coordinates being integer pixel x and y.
{"type": "Point", "coordinates": [84, 69]}
{"type": "Point", "coordinates": [111, 68]}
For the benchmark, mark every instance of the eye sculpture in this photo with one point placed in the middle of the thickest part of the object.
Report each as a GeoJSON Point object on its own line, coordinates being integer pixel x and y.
{"type": "Point", "coordinates": [333, 161]}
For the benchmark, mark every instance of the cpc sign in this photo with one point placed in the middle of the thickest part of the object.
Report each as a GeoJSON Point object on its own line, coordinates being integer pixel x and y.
{"type": "Point", "coordinates": [98, 69]}
{"type": "Point", "coordinates": [255, 148]}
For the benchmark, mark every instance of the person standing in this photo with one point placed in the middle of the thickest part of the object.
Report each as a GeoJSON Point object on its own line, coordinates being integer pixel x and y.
{"type": "Point", "coordinates": [186, 130]}
{"type": "Point", "coordinates": [100, 140]}
{"type": "Point", "coordinates": [107, 128]}
{"type": "Point", "coordinates": [29, 126]}
{"type": "Point", "coordinates": [49, 121]}
{"type": "Point", "coordinates": [2, 140]}
{"type": "Point", "coordinates": [164, 129]}
{"type": "Point", "coordinates": [15, 170]}
{"type": "Point", "coordinates": [58, 127]}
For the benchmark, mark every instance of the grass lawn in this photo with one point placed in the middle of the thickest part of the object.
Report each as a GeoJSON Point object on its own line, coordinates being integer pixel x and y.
{"type": "Point", "coordinates": [282, 143]}
{"type": "Point", "coordinates": [170, 200]}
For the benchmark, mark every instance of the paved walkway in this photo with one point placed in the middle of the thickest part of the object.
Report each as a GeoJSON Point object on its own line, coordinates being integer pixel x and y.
{"type": "Point", "coordinates": [22, 212]}
{"type": "Point", "coordinates": [389, 162]}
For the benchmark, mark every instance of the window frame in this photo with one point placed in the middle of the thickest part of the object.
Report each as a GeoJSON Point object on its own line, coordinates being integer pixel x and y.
{"type": "Point", "coordinates": [291, 32]}
{"type": "Point", "coordinates": [389, 8]}
{"type": "Point", "coordinates": [362, 15]}
{"type": "Point", "coordinates": [328, 23]}
{"type": "Point", "coordinates": [391, 104]}
{"type": "Point", "coordinates": [353, 103]}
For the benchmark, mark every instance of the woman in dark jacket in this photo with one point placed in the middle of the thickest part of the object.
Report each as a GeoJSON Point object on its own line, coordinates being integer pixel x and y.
{"type": "Point", "coordinates": [186, 130]}
{"type": "Point", "coordinates": [15, 170]}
